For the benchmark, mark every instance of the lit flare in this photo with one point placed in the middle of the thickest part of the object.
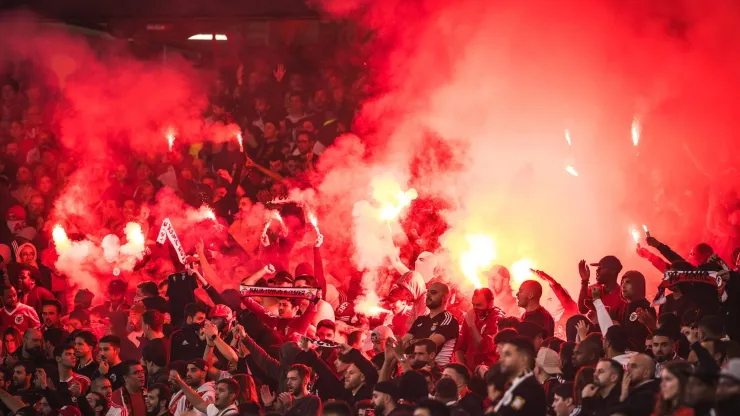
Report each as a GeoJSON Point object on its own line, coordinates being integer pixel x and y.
{"type": "Point", "coordinates": [570, 169]}
{"type": "Point", "coordinates": [635, 235]}
{"type": "Point", "coordinates": [314, 222]}
{"type": "Point", "coordinates": [635, 131]}
{"type": "Point", "coordinates": [241, 142]}
{"type": "Point", "coordinates": [206, 213]}
{"type": "Point", "coordinates": [392, 199]}
{"type": "Point", "coordinates": [61, 241]}
{"type": "Point", "coordinates": [479, 256]}
{"type": "Point", "coordinates": [567, 137]}
{"type": "Point", "coordinates": [170, 138]}
{"type": "Point", "coordinates": [521, 270]}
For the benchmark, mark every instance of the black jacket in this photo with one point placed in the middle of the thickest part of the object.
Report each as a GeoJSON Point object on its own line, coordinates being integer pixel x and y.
{"type": "Point", "coordinates": [528, 398]}
{"type": "Point", "coordinates": [640, 401]}
{"type": "Point", "coordinates": [600, 406]}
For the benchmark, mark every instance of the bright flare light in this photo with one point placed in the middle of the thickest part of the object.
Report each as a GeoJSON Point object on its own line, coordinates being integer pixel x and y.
{"type": "Point", "coordinates": [567, 137]}
{"type": "Point", "coordinates": [635, 131]}
{"type": "Point", "coordinates": [520, 271]}
{"type": "Point", "coordinates": [479, 256]}
{"type": "Point", "coordinates": [644, 228]}
{"type": "Point", "coordinates": [570, 169]}
{"type": "Point", "coordinates": [134, 235]}
{"type": "Point", "coordinates": [206, 36]}
{"type": "Point", "coordinates": [170, 137]}
{"type": "Point", "coordinates": [241, 142]}
{"type": "Point", "coordinates": [60, 238]}
{"type": "Point", "coordinates": [312, 219]}
{"type": "Point", "coordinates": [392, 199]}
{"type": "Point", "coordinates": [635, 235]}
{"type": "Point", "coordinates": [207, 213]}
{"type": "Point", "coordinates": [368, 306]}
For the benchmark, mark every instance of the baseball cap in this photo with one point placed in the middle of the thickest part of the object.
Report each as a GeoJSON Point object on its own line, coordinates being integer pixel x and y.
{"type": "Point", "coordinates": [199, 363]}
{"type": "Point", "coordinates": [281, 277]}
{"type": "Point", "coordinates": [303, 269]}
{"type": "Point", "coordinates": [15, 213]}
{"type": "Point", "coordinates": [69, 411]}
{"type": "Point", "coordinates": [609, 262]}
{"type": "Point", "coordinates": [222, 311]}
{"type": "Point", "coordinates": [388, 387]}
{"type": "Point", "coordinates": [399, 293]}
{"type": "Point", "coordinates": [84, 297]}
{"type": "Point", "coordinates": [117, 287]}
{"type": "Point", "coordinates": [732, 370]}
{"type": "Point", "coordinates": [548, 360]}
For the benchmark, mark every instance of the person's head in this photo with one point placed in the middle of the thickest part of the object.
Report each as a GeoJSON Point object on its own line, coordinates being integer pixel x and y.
{"type": "Point", "coordinates": [674, 377]}
{"type": "Point", "coordinates": [51, 313]}
{"type": "Point", "coordinates": [353, 378]}
{"type": "Point", "coordinates": [276, 163]}
{"type": "Point", "coordinates": [607, 270]}
{"type": "Point", "coordinates": [482, 299]}
{"type": "Point", "coordinates": [584, 377]}
{"type": "Point", "coordinates": [79, 318]}
{"type": "Point", "coordinates": [110, 348]}
{"type": "Point", "coordinates": [517, 356]}
{"type": "Point", "coordinates": [102, 386]}
{"type": "Point", "coordinates": [355, 339]}
{"type": "Point", "coordinates": [11, 149]}
{"type": "Point", "coordinates": [529, 294]}
{"type": "Point", "coordinates": [325, 330]}
{"type": "Point", "coordinates": [12, 340]}
{"type": "Point", "coordinates": [287, 308]}
{"type": "Point", "coordinates": [23, 176]}
{"type": "Point", "coordinates": [398, 299]}
{"type": "Point", "coordinates": [197, 370]}
{"type": "Point", "coordinates": [431, 408]}
{"type": "Point", "coordinates": [45, 185]}
{"type": "Point", "coordinates": [65, 357]}
{"type": "Point", "coordinates": [146, 290]}
{"type": "Point", "coordinates": [227, 391]}
{"type": "Point", "coordinates": [641, 368]}
{"type": "Point", "coordinates": [28, 276]}
{"type": "Point", "coordinates": [729, 381]}
{"type": "Point", "coordinates": [10, 297]}
{"type": "Point", "coordinates": [711, 327]}
{"type": "Point", "coordinates": [297, 379]}
{"type": "Point", "coordinates": [546, 364]}
{"type": "Point", "coordinates": [608, 373]}
{"type": "Point", "coordinates": [563, 402]}
{"type": "Point", "coordinates": [458, 373]}
{"type": "Point", "coordinates": [616, 340]}
{"type": "Point", "coordinates": [117, 291]}
{"type": "Point", "coordinates": [153, 359]}
{"type": "Point", "coordinates": [153, 322]}
{"type": "Point", "coordinates": [338, 408]}
{"type": "Point", "coordinates": [446, 390]}
{"type": "Point", "coordinates": [84, 343]}
{"type": "Point", "coordinates": [633, 286]}
{"type": "Point", "coordinates": [378, 337]}
{"type": "Point", "coordinates": [424, 353]}
{"type": "Point", "coordinates": [195, 313]}
{"type": "Point", "coordinates": [437, 296]}
{"type": "Point", "coordinates": [306, 141]}
{"type": "Point", "coordinates": [587, 353]}
{"type": "Point", "coordinates": [700, 254]}
{"type": "Point", "coordinates": [664, 345]}
{"type": "Point", "coordinates": [32, 339]}
{"type": "Point", "coordinates": [385, 397]}
{"type": "Point", "coordinates": [532, 331]}
{"type": "Point", "coordinates": [23, 372]}
{"type": "Point", "coordinates": [36, 205]}
{"type": "Point", "coordinates": [296, 102]}
{"type": "Point", "coordinates": [45, 409]}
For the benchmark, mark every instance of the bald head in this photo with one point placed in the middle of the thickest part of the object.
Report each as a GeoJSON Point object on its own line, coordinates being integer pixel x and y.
{"type": "Point", "coordinates": [439, 287]}
{"type": "Point", "coordinates": [529, 294]}
{"type": "Point", "coordinates": [641, 368]}
{"type": "Point", "coordinates": [437, 296]}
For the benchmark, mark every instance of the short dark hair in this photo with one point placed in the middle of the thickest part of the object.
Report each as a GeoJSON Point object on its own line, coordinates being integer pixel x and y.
{"type": "Point", "coordinates": [112, 340]}
{"type": "Point", "coordinates": [88, 337]}
{"type": "Point", "coordinates": [353, 336]}
{"type": "Point", "coordinates": [496, 377]}
{"type": "Point", "coordinates": [485, 292]}
{"type": "Point", "coordinates": [303, 371]}
{"type": "Point", "coordinates": [553, 343]}
{"type": "Point", "coordinates": [27, 365]}
{"type": "Point", "coordinates": [436, 408]}
{"type": "Point", "coordinates": [326, 323]}
{"type": "Point", "coordinates": [148, 288]}
{"type": "Point", "coordinates": [531, 330]}
{"type": "Point", "coordinates": [461, 370]}
{"type": "Point", "coordinates": [100, 401]}
{"type": "Point", "coordinates": [662, 332]}
{"type": "Point", "coordinates": [310, 136]}
{"type": "Point", "coordinates": [617, 337]}
{"type": "Point", "coordinates": [704, 249]}
{"type": "Point", "coordinates": [615, 366]}
{"type": "Point", "coordinates": [446, 389]}
{"type": "Point", "coordinates": [53, 302]}
{"type": "Point", "coordinates": [504, 335]}
{"type": "Point", "coordinates": [508, 322]}
{"type": "Point", "coordinates": [293, 301]}
{"type": "Point", "coordinates": [338, 408]}
{"type": "Point", "coordinates": [712, 326]}
{"type": "Point", "coordinates": [192, 308]}
{"type": "Point", "coordinates": [427, 343]}
{"type": "Point", "coordinates": [231, 385]}
{"type": "Point", "coordinates": [128, 365]}
{"type": "Point", "coordinates": [60, 349]}
{"type": "Point", "coordinates": [564, 389]}
{"type": "Point", "coordinates": [153, 318]}
{"type": "Point", "coordinates": [163, 392]}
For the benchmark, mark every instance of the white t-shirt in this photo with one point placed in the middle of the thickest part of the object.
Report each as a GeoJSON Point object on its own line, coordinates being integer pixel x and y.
{"type": "Point", "coordinates": [207, 392]}
{"type": "Point", "coordinates": [212, 410]}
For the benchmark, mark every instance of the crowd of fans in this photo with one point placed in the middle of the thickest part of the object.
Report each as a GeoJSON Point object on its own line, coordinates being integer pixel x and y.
{"type": "Point", "coordinates": [175, 344]}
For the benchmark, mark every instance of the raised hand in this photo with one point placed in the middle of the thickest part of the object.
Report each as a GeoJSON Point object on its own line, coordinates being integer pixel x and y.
{"type": "Point", "coordinates": [225, 175]}
{"type": "Point", "coordinates": [652, 241]}
{"type": "Point", "coordinates": [279, 72]}
{"type": "Point", "coordinates": [269, 269]}
{"type": "Point", "coordinates": [589, 391]}
{"type": "Point", "coordinates": [319, 240]}
{"type": "Point", "coordinates": [584, 271]}
{"type": "Point", "coordinates": [265, 240]}
{"type": "Point", "coordinates": [582, 330]}
{"type": "Point", "coordinates": [642, 251]}
{"type": "Point", "coordinates": [268, 398]}
{"type": "Point", "coordinates": [596, 292]}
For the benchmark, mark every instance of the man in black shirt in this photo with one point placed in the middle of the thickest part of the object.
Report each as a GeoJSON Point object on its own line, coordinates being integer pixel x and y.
{"type": "Point", "coordinates": [525, 395]}
{"type": "Point", "coordinates": [528, 298]}
{"type": "Point", "coordinates": [85, 343]}
{"type": "Point", "coordinates": [439, 325]}
{"type": "Point", "coordinates": [111, 366]}
{"type": "Point", "coordinates": [466, 399]}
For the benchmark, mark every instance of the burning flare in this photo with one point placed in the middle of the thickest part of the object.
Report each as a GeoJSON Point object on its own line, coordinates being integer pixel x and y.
{"type": "Point", "coordinates": [521, 270]}
{"type": "Point", "coordinates": [206, 213]}
{"type": "Point", "coordinates": [567, 137]}
{"type": "Point", "coordinates": [241, 142]}
{"type": "Point", "coordinates": [635, 235]}
{"type": "Point", "coordinates": [314, 222]}
{"type": "Point", "coordinates": [479, 256]}
{"type": "Point", "coordinates": [368, 306]}
{"type": "Point", "coordinates": [170, 137]}
{"type": "Point", "coordinates": [61, 241]}
{"type": "Point", "coordinates": [392, 199]}
{"type": "Point", "coordinates": [635, 131]}
{"type": "Point", "coordinates": [570, 169]}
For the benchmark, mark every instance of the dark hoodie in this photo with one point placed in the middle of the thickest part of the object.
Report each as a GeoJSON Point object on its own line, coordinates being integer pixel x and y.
{"type": "Point", "coordinates": [637, 331]}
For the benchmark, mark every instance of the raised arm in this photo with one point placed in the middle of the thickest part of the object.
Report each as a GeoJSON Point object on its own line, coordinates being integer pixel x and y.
{"type": "Point", "coordinates": [191, 395]}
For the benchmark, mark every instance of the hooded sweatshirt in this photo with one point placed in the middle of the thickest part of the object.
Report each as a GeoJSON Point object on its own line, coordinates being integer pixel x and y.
{"type": "Point", "coordinates": [637, 331]}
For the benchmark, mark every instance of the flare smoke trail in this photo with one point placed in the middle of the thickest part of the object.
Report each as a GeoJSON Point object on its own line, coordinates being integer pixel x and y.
{"type": "Point", "coordinates": [496, 83]}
